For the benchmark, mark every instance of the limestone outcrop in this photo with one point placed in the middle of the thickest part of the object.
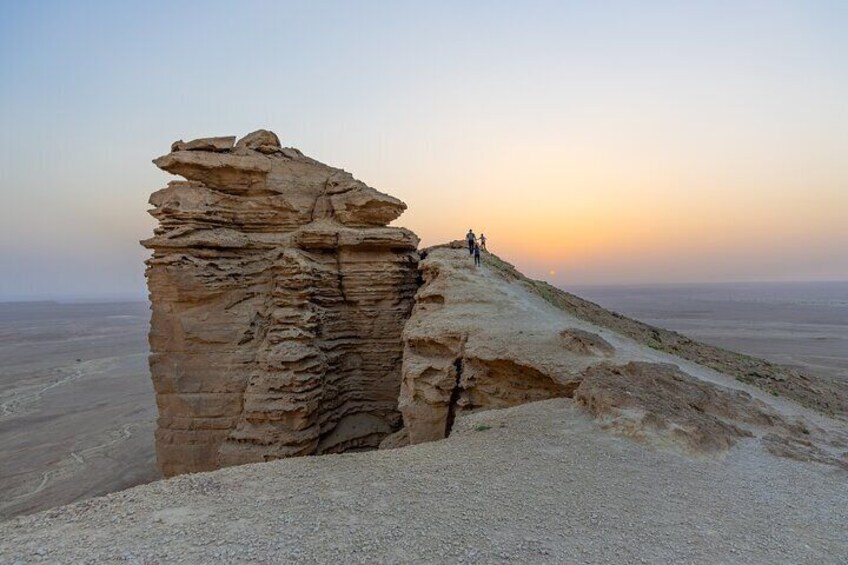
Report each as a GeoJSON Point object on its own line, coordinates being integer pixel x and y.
{"type": "Point", "coordinates": [278, 299]}
{"type": "Point", "coordinates": [661, 404]}
{"type": "Point", "coordinates": [487, 337]}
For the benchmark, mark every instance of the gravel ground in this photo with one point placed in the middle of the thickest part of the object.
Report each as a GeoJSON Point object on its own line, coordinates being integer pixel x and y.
{"type": "Point", "coordinates": [537, 483]}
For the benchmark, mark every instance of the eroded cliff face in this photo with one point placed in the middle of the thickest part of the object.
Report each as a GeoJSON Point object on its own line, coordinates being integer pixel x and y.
{"type": "Point", "coordinates": [279, 297]}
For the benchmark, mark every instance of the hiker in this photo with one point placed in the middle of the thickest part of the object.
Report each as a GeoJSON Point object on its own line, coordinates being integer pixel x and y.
{"type": "Point", "coordinates": [476, 255]}
{"type": "Point", "coordinates": [483, 241]}
{"type": "Point", "coordinates": [472, 241]}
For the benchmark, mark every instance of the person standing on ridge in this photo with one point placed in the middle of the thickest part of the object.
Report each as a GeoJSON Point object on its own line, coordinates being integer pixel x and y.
{"type": "Point", "coordinates": [483, 242]}
{"type": "Point", "coordinates": [476, 255]}
{"type": "Point", "coordinates": [472, 241]}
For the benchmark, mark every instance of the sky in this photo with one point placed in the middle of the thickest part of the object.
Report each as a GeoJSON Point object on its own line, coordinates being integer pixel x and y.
{"type": "Point", "coordinates": [592, 142]}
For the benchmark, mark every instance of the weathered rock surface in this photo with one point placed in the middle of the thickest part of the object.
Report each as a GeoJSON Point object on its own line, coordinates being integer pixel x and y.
{"type": "Point", "coordinates": [824, 395]}
{"type": "Point", "coordinates": [278, 297]}
{"type": "Point", "coordinates": [662, 405]}
{"type": "Point", "coordinates": [473, 343]}
{"type": "Point", "coordinates": [657, 401]}
{"type": "Point", "coordinates": [259, 139]}
{"type": "Point", "coordinates": [487, 337]}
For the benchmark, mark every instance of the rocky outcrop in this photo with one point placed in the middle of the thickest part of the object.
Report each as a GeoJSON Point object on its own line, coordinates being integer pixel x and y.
{"type": "Point", "coordinates": [487, 337]}
{"type": "Point", "coordinates": [827, 396]}
{"type": "Point", "coordinates": [663, 405]}
{"type": "Point", "coordinates": [661, 402]}
{"type": "Point", "coordinates": [474, 343]}
{"type": "Point", "coordinates": [278, 299]}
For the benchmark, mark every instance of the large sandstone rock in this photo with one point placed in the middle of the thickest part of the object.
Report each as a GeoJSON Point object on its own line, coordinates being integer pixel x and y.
{"type": "Point", "coordinates": [279, 296]}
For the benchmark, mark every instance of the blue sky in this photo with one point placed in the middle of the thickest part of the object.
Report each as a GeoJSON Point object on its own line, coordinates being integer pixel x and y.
{"type": "Point", "coordinates": [597, 142]}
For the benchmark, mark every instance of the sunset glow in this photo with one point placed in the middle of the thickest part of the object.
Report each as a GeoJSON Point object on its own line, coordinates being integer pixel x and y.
{"type": "Point", "coordinates": [591, 142]}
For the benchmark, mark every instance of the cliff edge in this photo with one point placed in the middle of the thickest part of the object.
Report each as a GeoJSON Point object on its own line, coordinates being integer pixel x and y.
{"type": "Point", "coordinates": [488, 337]}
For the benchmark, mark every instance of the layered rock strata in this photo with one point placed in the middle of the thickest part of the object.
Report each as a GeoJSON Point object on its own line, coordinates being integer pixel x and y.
{"type": "Point", "coordinates": [278, 299]}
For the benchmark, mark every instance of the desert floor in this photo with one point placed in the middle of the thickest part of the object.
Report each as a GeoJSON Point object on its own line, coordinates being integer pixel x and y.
{"type": "Point", "coordinates": [76, 403]}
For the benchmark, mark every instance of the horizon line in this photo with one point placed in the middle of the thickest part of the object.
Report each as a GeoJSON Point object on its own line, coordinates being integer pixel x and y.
{"type": "Point", "coordinates": [108, 298]}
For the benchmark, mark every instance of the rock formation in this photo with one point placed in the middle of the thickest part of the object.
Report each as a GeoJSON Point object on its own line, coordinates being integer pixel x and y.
{"type": "Point", "coordinates": [278, 296]}
{"type": "Point", "coordinates": [482, 338]}
{"type": "Point", "coordinates": [469, 344]}
{"type": "Point", "coordinates": [662, 404]}
{"type": "Point", "coordinates": [289, 320]}
{"type": "Point", "coordinates": [658, 401]}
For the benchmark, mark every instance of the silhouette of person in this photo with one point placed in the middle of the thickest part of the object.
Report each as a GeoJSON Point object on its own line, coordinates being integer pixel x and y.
{"type": "Point", "coordinates": [472, 241]}
{"type": "Point", "coordinates": [476, 255]}
{"type": "Point", "coordinates": [483, 241]}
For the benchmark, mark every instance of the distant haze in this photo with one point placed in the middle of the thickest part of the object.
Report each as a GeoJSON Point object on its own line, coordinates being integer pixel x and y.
{"type": "Point", "coordinates": [592, 142]}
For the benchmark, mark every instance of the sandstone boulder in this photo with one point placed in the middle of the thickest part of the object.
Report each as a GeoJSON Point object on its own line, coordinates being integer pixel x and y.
{"type": "Point", "coordinates": [398, 439]}
{"type": "Point", "coordinates": [259, 138]}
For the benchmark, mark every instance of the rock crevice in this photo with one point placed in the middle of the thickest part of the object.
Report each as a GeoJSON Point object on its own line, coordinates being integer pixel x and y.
{"type": "Point", "coordinates": [455, 394]}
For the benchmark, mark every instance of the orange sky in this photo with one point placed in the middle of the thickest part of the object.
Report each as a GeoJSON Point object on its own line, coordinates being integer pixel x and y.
{"type": "Point", "coordinates": [645, 213]}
